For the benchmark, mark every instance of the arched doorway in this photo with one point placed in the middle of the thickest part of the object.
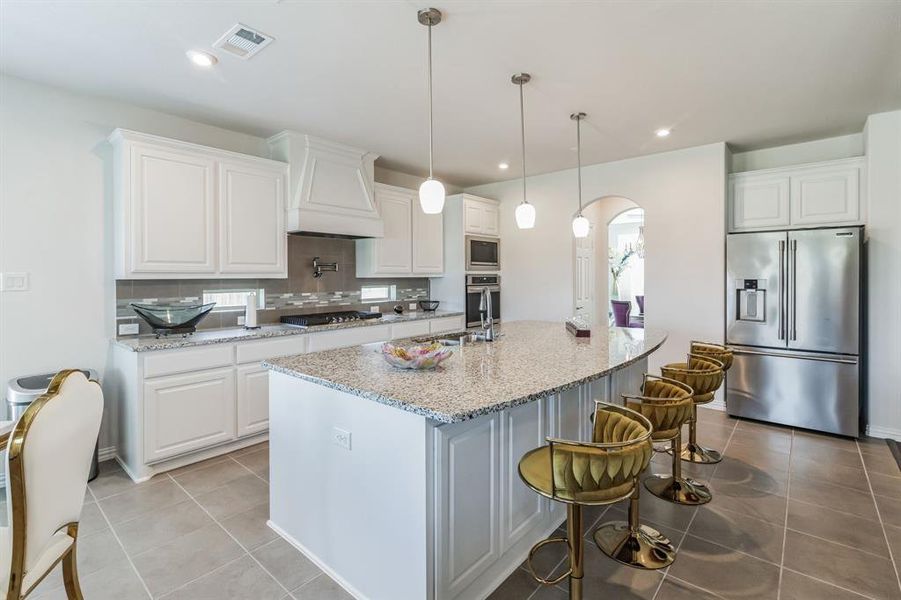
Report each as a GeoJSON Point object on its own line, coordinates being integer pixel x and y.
{"type": "Point", "coordinates": [625, 241]}
{"type": "Point", "coordinates": [591, 258]}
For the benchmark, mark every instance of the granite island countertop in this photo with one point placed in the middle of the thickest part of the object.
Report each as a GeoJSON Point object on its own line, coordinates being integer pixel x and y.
{"type": "Point", "coordinates": [532, 359]}
{"type": "Point", "coordinates": [147, 343]}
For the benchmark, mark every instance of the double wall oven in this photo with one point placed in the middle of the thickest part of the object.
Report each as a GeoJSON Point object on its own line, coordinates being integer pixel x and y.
{"type": "Point", "coordinates": [474, 286]}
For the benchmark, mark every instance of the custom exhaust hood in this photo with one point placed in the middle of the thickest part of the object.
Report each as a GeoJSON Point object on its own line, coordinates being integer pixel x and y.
{"type": "Point", "coordinates": [331, 187]}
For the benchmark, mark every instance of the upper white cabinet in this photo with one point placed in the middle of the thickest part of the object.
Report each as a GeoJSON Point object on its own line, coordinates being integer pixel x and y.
{"type": "Point", "coordinates": [480, 215]}
{"type": "Point", "coordinates": [413, 242]}
{"type": "Point", "coordinates": [829, 193]}
{"type": "Point", "coordinates": [189, 211]}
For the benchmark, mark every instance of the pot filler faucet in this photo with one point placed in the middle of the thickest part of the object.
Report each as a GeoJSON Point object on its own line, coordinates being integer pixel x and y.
{"type": "Point", "coordinates": [321, 267]}
{"type": "Point", "coordinates": [486, 314]}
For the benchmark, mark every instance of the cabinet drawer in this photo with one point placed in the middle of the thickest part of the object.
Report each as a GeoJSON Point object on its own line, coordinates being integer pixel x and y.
{"type": "Point", "coordinates": [342, 338]}
{"type": "Point", "coordinates": [257, 351]}
{"type": "Point", "coordinates": [447, 324]}
{"type": "Point", "coordinates": [404, 330]}
{"type": "Point", "coordinates": [183, 361]}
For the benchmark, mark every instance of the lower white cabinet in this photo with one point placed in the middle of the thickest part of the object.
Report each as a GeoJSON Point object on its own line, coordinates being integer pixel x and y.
{"type": "Point", "coordinates": [353, 336]}
{"type": "Point", "coordinates": [252, 400]}
{"type": "Point", "coordinates": [447, 324]}
{"type": "Point", "coordinates": [409, 329]}
{"type": "Point", "coordinates": [187, 412]}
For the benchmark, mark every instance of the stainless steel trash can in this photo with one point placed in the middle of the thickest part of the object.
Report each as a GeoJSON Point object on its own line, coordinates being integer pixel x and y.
{"type": "Point", "coordinates": [22, 391]}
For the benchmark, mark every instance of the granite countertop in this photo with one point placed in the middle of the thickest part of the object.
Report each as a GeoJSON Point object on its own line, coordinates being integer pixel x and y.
{"type": "Point", "coordinates": [530, 360]}
{"type": "Point", "coordinates": [147, 343]}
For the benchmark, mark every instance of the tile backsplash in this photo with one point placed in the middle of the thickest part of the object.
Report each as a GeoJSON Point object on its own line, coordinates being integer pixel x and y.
{"type": "Point", "coordinates": [300, 292]}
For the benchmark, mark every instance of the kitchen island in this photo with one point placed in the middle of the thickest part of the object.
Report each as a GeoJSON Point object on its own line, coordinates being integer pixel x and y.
{"type": "Point", "coordinates": [403, 485]}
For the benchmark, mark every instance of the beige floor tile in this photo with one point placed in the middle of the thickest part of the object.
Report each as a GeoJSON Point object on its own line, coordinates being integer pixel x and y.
{"type": "Point", "coordinates": [837, 497]}
{"type": "Point", "coordinates": [711, 415]}
{"type": "Point", "coordinates": [726, 572]}
{"type": "Point", "coordinates": [884, 465]}
{"type": "Point", "coordinates": [517, 586]}
{"type": "Point", "coordinates": [113, 480]}
{"type": "Point", "coordinates": [92, 520]}
{"type": "Point", "coordinates": [142, 500]}
{"type": "Point", "coordinates": [209, 462]}
{"type": "Point", "coordinates": [816, 469]}
{"type": "Point", "coordinates": [291, 568]}
{"type": "Point", "coordinates": [751, 502]}
{"type": "Point", "coordinates": [680, 590]}
{"type": "Point", "coordinates": [251, 449]}
{"type": "Point", "coordinates": [894, 540]}
{"type": "Point", "coordinates": [321, 588]}
{"type": "Point", "coordinates": [877, 446]}
{"type": "Point", "coordinates": [837, 527]}
{"type": "Point", "coordinates": [739, 532]}
{"type": "Point", "coordinates": [172, 565]}
{"type": "Point", "coordinates": [549, 593]}
{"type": "Point", "coordinates": [652, 508]}
{"type": "Point", "coordinates": [161, 527]}
{"type": "Point", "coordinates": [815, 442]}
{"type": "Point", "coordinates": [830, 455]}
{"type": "Point", "coordinates": [605, 579]}
{"type": "Point", "coordinates": [237, 580]}
{"type": "Point", "coordinates": [758, 455]}
{"type": "Point", "coordinates": [843, 566]}
{"type": "Point", "coordinates": [890, 509]}
{"type": "Point", "coordinates": [234, 497]}
{"type": "Point", "coordinates": [884, 485]}
{"type": "Point", "coordinates": [115, 582]}
{"type": "Point", "coordinates": [774, 440]}
{"type": "Point", "coordinates": [800, 587]}
{"type": "Point", "coordinates": [215, 475]}
{"type": "Point", "coordinates": [250, 528]}
{"type": "Point", "coordinates": [737, 472]}
{"type": "Point", "coordinates": [258, 462]}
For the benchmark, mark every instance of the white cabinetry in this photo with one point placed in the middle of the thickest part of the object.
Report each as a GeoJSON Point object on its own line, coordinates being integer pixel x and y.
{"type": "Point", "coordinates": [829, 193]}
{"type": "Point", "coordinates": [480, 216]}
{"type": "Point", "coordinates": [189, 211]}
{"type": "Point", "coordinates": [252, 399]}
{"type": "Point", "coordinates": [413, 243]}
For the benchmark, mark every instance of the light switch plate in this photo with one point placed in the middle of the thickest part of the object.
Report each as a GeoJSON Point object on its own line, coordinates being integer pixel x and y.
{"type": "Point", "coordinates": [14, 282]}
{"type": "Point", "coordinates": [373, 309]}
{"type": "Point", "coordinates": [412, 306]}
{"type": "Point", "coordinates": [241, 320]}
{"type": "Point", "coordinates": [341, 438]}
{"type": "Point", "coordinates": [129, 329]}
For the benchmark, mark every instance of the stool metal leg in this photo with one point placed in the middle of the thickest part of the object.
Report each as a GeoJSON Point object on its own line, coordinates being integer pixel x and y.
{"type": "Point", "coordinates": [693, 451]}
{"type": "Point", "coordinates": [676, 488]}
{"type": "Point", "coordinates": [576, 550]}
{"type": "Point", "coordinates": [634, 544]}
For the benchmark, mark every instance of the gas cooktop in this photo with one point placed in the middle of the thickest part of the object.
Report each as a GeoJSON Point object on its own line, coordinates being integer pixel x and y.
{"type": "Point", "coordinates": [326, 318]}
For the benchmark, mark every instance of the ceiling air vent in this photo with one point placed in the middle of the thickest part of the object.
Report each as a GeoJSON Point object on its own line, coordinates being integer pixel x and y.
{"type": "Point", "coordinates": [242, 41]}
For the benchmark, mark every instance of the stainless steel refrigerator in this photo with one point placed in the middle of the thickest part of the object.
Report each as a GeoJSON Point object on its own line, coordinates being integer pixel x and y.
{"type": "Point", "coordinates": [793, 319]}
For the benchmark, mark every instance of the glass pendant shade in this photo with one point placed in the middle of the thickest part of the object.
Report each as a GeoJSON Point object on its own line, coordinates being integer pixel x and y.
{"type": "Point", "coordinates": [431, 196]}
{"type": "Point", "coordinates": [525, 216]}
{"type": "Point", "coordinates": [581, 227]}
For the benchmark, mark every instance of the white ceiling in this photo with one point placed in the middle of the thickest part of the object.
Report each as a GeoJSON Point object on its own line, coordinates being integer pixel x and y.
{"type": "Point", "coordinates": [754, 74]}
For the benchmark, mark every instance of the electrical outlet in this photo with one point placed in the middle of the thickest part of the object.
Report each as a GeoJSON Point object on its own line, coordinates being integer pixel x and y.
{"type": "Point", "coordinates": [412, 306]}
{"type": "Point", "coordinates": [128, 329]}
{"type": "Point", "coordinates": [341, 438]}
{"type": "Point", "coordinates": [373, 308]}
{"type": "Point", "coordinates": [241, 320]}
{"type": "Point", "coordinates": [13, 282]}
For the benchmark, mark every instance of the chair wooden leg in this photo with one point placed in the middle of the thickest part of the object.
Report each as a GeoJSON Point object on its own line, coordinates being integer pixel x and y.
{"type": "Point", "coordinates": [70, 568]}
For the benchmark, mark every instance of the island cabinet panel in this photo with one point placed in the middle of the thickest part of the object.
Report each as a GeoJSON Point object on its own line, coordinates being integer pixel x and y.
{"type": "Point", "coordinates": [468, 510]}
{"type": "Point", "coordinates": [523, 428]}
{"type": "Point", "coordinates": [188, 412]}
{"type": "Point", "coordinates": [252, 399]}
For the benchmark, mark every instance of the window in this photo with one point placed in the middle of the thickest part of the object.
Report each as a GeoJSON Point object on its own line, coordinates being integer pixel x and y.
{"type": "Point", "coordinates": [378, 293]}
{"type": "Point", "coordinates": [233, 299]}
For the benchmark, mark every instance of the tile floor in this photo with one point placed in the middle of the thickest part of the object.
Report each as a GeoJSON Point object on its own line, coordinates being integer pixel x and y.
{"type": "Point", "coordinates": [795, 516]}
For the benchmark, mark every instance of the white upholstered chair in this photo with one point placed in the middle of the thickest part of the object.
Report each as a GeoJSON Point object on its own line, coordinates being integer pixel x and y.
{"type": "Point", "coordinates": [49, 457]}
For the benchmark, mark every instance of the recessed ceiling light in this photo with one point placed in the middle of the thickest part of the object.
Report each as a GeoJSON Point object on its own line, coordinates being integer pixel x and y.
{"type": "Point", "coordinates": [202, 59]}
{"type": "Point", "coordinates": [503, 166]}
{"type": "Point", "coordinates": [661, 133]}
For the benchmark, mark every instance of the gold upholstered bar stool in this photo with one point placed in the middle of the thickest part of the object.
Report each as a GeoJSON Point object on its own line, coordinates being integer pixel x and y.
{"type": "Point", "coordinates": [705, 375]}
{"type": "Point", "coordinates": [692, 451]}
{"type": "Point", "coordinates": [666, 404]}
{"type": "Point", "coordinates": [603, 471]}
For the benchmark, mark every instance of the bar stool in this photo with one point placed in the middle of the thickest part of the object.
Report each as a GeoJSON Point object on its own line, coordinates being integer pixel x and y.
{"type": "Point", "coordinates": [705, 386]}
{"type": "Point", "coordinates": [666, 403]}
{"type": "Point", "coordinates": [579, 474]}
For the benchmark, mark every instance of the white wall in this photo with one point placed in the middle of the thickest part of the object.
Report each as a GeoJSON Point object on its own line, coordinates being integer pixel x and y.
{"type": "Point", "coordinates": [405, 180]}
{"type": "Point", "coordinates": [883, 146]}
{"type": "Point", "coordinates": [683, 194]}
{"type": "Point", "coordinates": [843, 146]}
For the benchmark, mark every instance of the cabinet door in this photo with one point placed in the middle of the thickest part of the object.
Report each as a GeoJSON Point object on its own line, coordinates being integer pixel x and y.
{"type": "Point", "coordinates": [252, 220]}
{"type": "Point", "coordinates": [428, 241]}
{"type": "Point", "coordinates": [183, 413]}
{"type": "Point", "coordinates": [394, 252]}
{"type": "Point", "coordinates": [172, 212]}
{"type": "Point", "coordinates": [826, 195]}
{"type": "Point", "coordinates": [490, 219]}
{"type": "Point", "coordinates": [253, 399]}
{"type": "Point", "coordinates": [759, 202]}
{"type": "Point", "coordinates": [523, 429]}
{"type": "Point", "coordinates": [472, 216]}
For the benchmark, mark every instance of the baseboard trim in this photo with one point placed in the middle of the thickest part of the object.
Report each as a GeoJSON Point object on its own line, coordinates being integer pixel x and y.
{"type": "Point", "coordinates": [883, 432]}
{"type": "Point", "coordinates": [316, 561]}
{"type": "Point", "coordinates": [716, 405]}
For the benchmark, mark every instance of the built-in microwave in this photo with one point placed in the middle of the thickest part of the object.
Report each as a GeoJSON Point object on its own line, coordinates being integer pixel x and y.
{"type": "Point", "coordinates": [483, 253]}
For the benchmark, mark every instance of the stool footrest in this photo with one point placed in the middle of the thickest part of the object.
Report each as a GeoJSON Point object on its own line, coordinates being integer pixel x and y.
{"type": "Point", "coordinates": [535, 549]}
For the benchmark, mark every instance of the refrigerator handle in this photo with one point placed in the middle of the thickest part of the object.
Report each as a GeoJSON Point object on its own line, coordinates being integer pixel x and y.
{"type": "Point", "coordinates": [794, 290]}
{"type": "Point", "coordinates": [830, 359]}
{"type": "Point", "coordinates": [782, 293]}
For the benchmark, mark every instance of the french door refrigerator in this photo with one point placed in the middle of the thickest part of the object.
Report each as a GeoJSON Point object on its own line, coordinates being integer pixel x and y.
{"type": "Point", "coordinates": [793, 319]}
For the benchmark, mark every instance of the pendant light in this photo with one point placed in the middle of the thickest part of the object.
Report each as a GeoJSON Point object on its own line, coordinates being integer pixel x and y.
{"type": "Point", "coordinates": [431, 192]}
{"type": "Point", "coordinates": [525, 212]}
{"type": "Point", "coordinates": [581, 226]}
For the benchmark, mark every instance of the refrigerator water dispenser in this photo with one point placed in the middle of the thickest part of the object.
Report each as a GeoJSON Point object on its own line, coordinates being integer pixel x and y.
{"type": "Point", "coordinates": [751, 300]}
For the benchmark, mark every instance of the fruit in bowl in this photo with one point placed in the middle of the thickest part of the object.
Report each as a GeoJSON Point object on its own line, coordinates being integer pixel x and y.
{"type": "Point", "coordinates": [420, 356]}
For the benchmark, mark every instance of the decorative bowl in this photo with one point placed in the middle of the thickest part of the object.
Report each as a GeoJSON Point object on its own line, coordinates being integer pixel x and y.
{"type": "Point", "coordinates": [419, 356]}
{"type": "Point", "coordinates": [172, 318]}
{"type": "Point", "coordinates": [429, 305]}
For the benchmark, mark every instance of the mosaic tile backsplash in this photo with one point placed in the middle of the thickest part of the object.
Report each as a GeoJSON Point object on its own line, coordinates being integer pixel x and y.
{"type": "Point", "coordinates": [299, 293]}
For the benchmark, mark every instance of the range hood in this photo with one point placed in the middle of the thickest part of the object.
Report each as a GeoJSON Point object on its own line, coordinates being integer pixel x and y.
{"type": "Point", "coordinates": [331, 187]}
